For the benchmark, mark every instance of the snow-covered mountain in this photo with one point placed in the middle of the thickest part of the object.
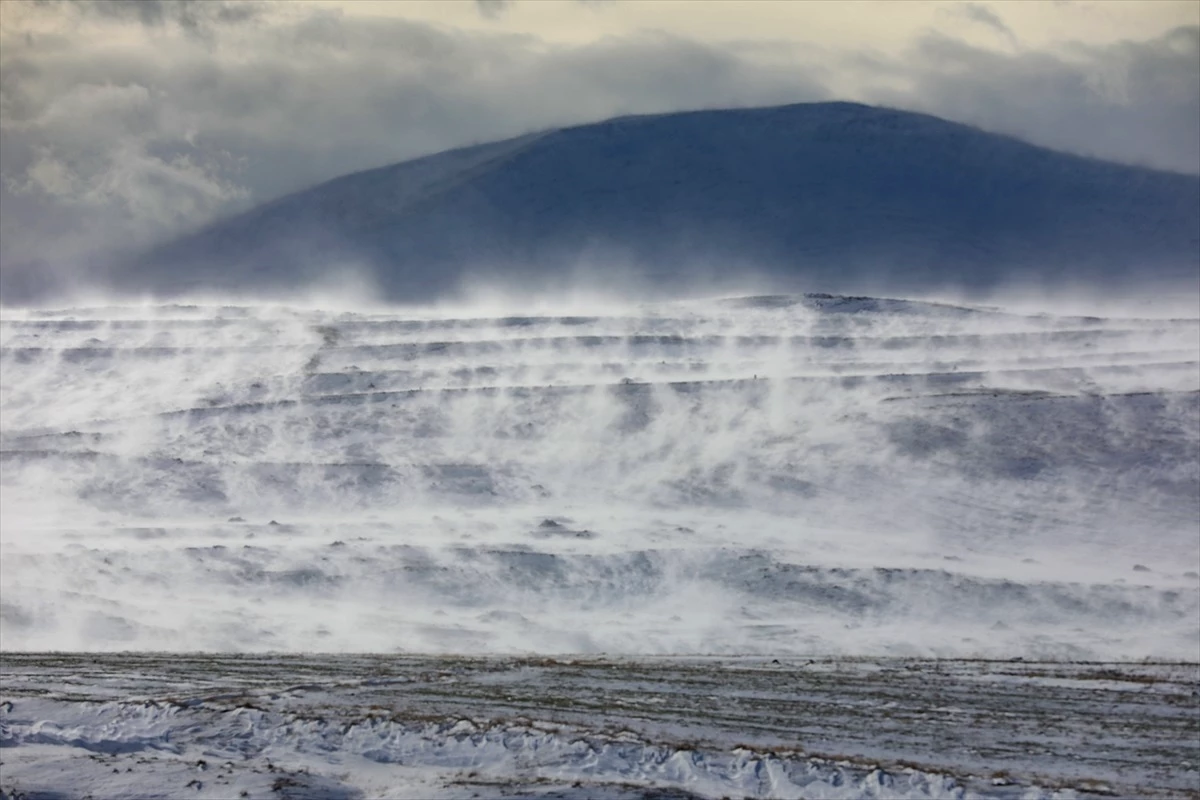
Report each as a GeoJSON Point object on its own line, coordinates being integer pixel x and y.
{"type": "Point", "coordinates": [781, 475]}
{"type": "Point", "coordinates": [828, 196]}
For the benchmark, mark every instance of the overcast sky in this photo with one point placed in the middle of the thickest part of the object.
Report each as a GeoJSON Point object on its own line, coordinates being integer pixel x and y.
{"type": "Point", "coordinates": [127, 121]}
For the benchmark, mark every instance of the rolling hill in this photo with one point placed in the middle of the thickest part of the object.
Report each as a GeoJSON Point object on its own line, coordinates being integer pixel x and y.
{"type": "Point", "coordinates": [829, 196]}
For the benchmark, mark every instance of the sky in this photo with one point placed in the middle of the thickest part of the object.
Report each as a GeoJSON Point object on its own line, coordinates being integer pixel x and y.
{"type": "Point", "coordinates": [125, 122]}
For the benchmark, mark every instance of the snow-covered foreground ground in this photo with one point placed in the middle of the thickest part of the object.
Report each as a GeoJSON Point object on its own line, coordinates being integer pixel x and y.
{"type": "Point", "coordinates": [773, 475]}
{"type": "Point", "coordinates": [172, 726]}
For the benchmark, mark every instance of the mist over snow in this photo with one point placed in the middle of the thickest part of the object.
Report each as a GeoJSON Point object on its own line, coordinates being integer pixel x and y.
{"type": "Point", "coordinates": [781, 474]}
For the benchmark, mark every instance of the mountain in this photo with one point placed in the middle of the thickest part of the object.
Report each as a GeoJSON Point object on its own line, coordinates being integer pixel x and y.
{"type": "Point", "coordinates": [830, 196]}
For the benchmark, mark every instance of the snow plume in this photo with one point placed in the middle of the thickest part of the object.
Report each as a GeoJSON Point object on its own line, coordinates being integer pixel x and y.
{"type": "Point", "coordinates": [774, 474]}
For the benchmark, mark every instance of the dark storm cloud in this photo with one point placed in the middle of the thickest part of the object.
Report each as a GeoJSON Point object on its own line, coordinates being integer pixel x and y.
{"type": "Point", "coordinates": [205, 108]}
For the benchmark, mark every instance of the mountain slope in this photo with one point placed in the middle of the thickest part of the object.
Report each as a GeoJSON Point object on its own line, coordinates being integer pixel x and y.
{"type": "Point", "coordinates": [831, 195]}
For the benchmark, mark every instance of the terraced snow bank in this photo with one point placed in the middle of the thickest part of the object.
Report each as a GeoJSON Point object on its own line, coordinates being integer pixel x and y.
{"type": "Point", "coordinates": [171, 726]}
{"type": "Point", "coordinates": [804, 474]}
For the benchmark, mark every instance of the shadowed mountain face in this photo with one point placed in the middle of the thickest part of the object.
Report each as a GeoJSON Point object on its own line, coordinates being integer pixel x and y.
{"type": "Point", "coordinates": [831, 195]}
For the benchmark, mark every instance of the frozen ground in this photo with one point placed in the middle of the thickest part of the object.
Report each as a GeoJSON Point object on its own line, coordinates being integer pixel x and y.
{"type": "Point", "coordinates": [773, 475]}
{"type": "Point", "coordinates": [172, 726]}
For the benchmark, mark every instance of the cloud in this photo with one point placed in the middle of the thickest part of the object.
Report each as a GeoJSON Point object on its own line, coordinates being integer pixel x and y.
{"type": "Point", "coordinates": [1137, 102]}
{"type": "Point", "coordinates": [195, 17]}
{"type": "Point", "coordinates": [492, 8]}
{"type": "Point", "coordinates": [103, 157]}
{"type": "Point", "coordinates": [981, 14]}
{"type": "Point", "coordinates": [127, 122]}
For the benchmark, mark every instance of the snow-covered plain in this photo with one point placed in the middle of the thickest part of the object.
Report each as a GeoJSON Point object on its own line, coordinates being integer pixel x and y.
{"type": "Point", "coordinates": [211, 726]}
{"type": "Point", "coordinates": [774, 475]}
{"type": "Point", "coordinates": [735, 522]}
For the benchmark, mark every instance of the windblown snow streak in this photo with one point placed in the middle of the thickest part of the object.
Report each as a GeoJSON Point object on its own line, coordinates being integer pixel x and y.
{"type": "Point", "coordinates": [785, 474]}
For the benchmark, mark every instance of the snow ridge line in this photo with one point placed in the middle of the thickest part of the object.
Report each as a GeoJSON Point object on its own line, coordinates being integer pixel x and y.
{"type": "Point", "coordinates": [527, 750]}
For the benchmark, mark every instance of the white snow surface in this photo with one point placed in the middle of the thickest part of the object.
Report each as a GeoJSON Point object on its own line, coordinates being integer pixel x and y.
{"type": "Point", "coordinates": [423, 761]}
{"type": "Point", "coordinates": [774, 475]}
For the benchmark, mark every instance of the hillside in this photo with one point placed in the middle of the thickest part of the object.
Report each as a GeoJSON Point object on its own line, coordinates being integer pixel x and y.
{"type": "Point", "coordinates": [829, 196]}
{"type": "Point", "coordinates": [785, 474]}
